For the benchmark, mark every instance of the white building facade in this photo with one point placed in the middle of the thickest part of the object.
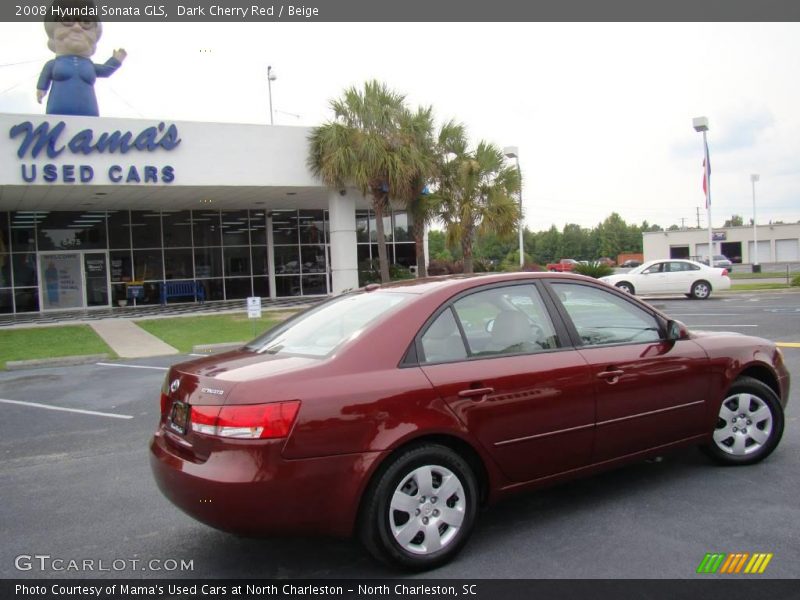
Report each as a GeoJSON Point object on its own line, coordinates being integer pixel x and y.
{"type": "Point", "coordinates": [95, 212]}
{"type": "Point", "coordinates": [777, 243]}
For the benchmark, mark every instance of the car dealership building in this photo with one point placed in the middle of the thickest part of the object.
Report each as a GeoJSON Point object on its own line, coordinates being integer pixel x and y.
{"type": "Point", "coordinates": [99, 212]}
{"type": "Point", "coordinates": [777, 243]}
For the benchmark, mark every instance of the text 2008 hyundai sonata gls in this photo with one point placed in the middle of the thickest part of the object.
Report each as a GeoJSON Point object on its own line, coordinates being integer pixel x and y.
{"type": "Point", "coordinates": [396, 411]}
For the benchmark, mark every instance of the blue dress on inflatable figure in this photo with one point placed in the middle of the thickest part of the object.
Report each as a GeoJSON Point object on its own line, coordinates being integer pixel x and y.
{"type": "Point", "coordinates": [72, 78]}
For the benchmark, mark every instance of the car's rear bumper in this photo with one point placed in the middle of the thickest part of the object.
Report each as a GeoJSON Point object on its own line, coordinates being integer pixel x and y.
{"type": "Point", "coordinates": [247, 487]}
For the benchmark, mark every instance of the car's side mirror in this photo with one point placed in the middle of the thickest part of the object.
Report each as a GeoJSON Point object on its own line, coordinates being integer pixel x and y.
{"type": "Point", "coordinates": [676, 331]}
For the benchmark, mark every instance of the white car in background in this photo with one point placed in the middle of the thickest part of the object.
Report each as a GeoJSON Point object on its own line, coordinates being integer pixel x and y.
{"type": "Point", "coordinates": [671, 276]}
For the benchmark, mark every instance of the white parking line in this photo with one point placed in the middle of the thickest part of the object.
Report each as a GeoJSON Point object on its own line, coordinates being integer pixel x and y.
{"type": "Point", "coordinates": [131, 366]}
{"type": "Point", "coordinates": [72, 410]}
{"type": "Point", "coordinates": [729, 325]}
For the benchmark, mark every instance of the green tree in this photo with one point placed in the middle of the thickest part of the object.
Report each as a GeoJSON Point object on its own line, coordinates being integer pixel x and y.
{"type": "Point", "coordinates": [476, 190]}
{"type": "Point", "coordinates": [734, 221]}
{"type": "Point", "coordinates": [366, 147]}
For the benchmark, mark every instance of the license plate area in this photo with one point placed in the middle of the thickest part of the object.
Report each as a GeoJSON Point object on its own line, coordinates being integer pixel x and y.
{"type": "Point", "coordinates": [179, 417]}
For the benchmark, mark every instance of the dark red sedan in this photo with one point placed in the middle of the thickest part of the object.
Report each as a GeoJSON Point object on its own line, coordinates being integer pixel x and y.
{"type": "Point", "coordinates": [396, 411]}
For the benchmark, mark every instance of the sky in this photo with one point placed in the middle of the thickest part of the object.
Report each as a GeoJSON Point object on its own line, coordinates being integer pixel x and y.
{"type": "Point", "coordinates": [601, 112]}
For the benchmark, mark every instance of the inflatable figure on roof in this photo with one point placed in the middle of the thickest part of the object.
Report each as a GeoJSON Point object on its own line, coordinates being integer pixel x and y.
{"type": "Point", "coordinates": [73, 32]}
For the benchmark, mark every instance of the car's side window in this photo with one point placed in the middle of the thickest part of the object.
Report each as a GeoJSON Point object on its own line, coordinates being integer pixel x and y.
{"type": "Point", "coordinates": [442, 342]}
{"type": "Point", "coordinates": [656, 268]}
{"type": "Point", "coordinates": [506, 320]}
{"type": "Point", "coordinates": [602, 317]}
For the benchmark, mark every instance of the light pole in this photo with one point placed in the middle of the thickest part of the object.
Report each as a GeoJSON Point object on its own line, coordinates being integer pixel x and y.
{"type": "Point", "coordinates": [756, 267]}
{"type": "Point", "coordinates": [701, 124]}
{"type": "Point", "coordinates": [270, 78]}
{"type": "Point", "coordinates": [513, 152]}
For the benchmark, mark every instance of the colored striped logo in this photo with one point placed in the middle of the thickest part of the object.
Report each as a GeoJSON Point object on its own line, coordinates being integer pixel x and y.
{"type": "Point", "coordinates": [734, 563]}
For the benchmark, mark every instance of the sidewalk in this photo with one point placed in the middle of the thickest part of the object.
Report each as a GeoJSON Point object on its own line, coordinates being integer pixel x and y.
{"type": "Point", "coordinates": [129, 340]}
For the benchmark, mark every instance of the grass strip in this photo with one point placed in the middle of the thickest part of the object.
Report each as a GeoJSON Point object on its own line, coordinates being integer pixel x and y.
{"type": "Point", "coordinates": [50, 342]}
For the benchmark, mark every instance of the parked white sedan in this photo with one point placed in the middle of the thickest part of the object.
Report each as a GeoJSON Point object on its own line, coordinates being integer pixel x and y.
{"type": "Point", "coordinates": [671, 276]}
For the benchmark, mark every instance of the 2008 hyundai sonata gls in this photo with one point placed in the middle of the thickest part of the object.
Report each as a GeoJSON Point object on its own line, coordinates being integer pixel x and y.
{"type": "Point", "coordinates": [394, 412]}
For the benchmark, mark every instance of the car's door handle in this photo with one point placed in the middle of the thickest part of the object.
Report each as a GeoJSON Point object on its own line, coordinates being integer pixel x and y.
{"type": "Point", "coordinates": [476, 392]}
{"type": "Point", "coordinates": [612, 375]}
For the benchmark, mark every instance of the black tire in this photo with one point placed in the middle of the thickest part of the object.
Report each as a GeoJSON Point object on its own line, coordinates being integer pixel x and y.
{"type": "Point", "coordinates": [626, 287]}
{"type": "Point", "coordinates": [378, 518]}
{"type": "Point", "coordinates": [701, 290]}
{"type": "Point", "coordinates": [762, 400]}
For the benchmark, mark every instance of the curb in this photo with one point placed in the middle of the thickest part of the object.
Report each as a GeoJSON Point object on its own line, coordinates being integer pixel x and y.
{"type": "Point", "coordinates": [61, 361]}
{"type": "Point", "coordinates": [216, 348]}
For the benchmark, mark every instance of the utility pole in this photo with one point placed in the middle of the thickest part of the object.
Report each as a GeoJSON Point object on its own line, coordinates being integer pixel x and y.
{"type": "Point", "coordinates": [698, 217]}
{"type": "Point", "coordinates": [683, 222]}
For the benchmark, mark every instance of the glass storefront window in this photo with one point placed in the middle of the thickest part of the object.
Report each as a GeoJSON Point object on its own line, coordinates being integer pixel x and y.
{"type": "Point", "coordinates": [207, 262]}
{"type": "Point", "coordinates": [26, 299]}
{"type": "Point", "coordinates": [24, 269]}
{"type": "Point", "coordinates": [119, 229]}
{"type": "Point", "coordinates": [287, 260]}
{"type": "Point", "coordinates": [237, 261]}
{"type": "Point", "coordinates": [72, 231]}
{"type": "Point", "coordinates": [206, 228]}
{"type": "Point", "coordinates": [147, 265]}
{"type": "Point", "coordinates": [6, 301]}
{"type": "Point", "coordinates": [178, 264]}
{"type": "Point", "coordinates": [260, 260]}
{"type": "Point", "coordinates": [261, 286]}
{"type": "Point", "coordinates": [237, 287]}
{"type": "Point", "coordinates": [284, 227]}
{"type": "Point", "coordinates": [258, 228]}
{"type": "Point", "coordinates": [287, 286]}
{"type": "Point", "coordinates": [312, 227]}
{"type": "Point", "coordinates": [314, 285]}
{"type": "Point", "coordinates": [403, 231]}
{"type": "Point", "coordinates": [177, 229]}
{"type": "Point", "coordinates": [121, 266]}
{"type": "Point", "coordinates": [5, 270]}
{"type": "Point", "coordinates": [146, 228]}
{"type": "Point", "coordinates": [235, 228]}
{"type": "Point", "coordinates": [213, 288]}
{"type": "Point", "coordinates": [313, 259]}
{"type": "Point", "coordinates": [23, 229]}
{"type": "Point", "coordinates": [362, 226]}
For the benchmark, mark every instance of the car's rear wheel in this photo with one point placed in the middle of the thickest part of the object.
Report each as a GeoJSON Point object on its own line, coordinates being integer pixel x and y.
{"type": "Point", "coordinates": [625, 287]}
{"type": "Point", "coordinates": [701, 290]}
{"type": "Point", "coordinates": [749, 426]}
{"type": "Point", "coordinates": [421, 509]}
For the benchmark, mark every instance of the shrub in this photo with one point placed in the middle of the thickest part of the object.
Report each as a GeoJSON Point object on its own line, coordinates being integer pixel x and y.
{"type": "Point", "coordinates": [593, 269]}
{"type": "Point", "coordinates": [796, 281]}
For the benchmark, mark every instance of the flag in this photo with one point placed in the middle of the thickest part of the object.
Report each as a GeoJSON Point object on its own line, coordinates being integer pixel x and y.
{"type": "Point", "coordinates": [706, 174]}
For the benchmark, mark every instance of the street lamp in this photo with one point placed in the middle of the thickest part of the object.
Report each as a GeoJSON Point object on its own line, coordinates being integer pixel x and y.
{"type": "Point", "coordinates": [513, 152]}
{"type": "Point", "coordinates": [756, 267]}
{"type": "Point", "coordinates": [270, 78]}
{"type": "Point", "coordinates": [701, 124]}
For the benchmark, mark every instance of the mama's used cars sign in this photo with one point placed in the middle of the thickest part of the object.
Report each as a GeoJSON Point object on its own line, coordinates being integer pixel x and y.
{"type": "Point", "coordinates": [46, 141]}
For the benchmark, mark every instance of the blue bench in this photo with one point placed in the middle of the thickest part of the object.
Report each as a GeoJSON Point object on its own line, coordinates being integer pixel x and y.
{"type": "Point", "coordinates": [182, 289]}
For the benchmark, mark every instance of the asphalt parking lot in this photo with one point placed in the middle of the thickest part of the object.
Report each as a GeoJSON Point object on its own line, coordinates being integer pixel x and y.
{"type": "Point", "coordinates": [76, 485]}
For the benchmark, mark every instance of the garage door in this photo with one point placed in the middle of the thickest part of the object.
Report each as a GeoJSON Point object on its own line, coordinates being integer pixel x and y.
{"type": "Point", "coordinates": [763, 251]}
{"type": "Point", "coordinates": [787, 250]}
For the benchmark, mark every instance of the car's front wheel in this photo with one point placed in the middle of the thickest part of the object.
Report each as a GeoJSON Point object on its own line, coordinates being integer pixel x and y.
{"type": "Point", "coordinates": [749, 426]}
{"type": "Point", "coordinates": [421, 509]}
{"type": "Point", "coordinates": [701, 290]}
{"type": "Point", "coordinates": [625, 287]}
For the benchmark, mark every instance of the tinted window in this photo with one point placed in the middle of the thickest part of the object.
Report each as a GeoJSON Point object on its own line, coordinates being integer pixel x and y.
{"type": "Point", "coordinates": [321, 330]}
{"type": "Point", "coordinates": [442, 341]}
{"type": "Point", "coordinates": [656, 268]}
{"type": "Point", "coordinates": [602, 317]}
{"type": "Point", "coordinates": [506, 320]}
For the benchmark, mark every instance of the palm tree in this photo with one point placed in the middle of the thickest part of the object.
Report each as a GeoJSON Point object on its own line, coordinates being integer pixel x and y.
{"type": "Point", "coordinates": [421, 205]}
{"type": "Point", "coordinates": [477, 190]}
{"type": "Point", "coordinates": [365, 146]}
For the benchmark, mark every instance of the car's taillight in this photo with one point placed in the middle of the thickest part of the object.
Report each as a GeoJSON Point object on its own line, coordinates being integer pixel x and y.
{"type": "Point", "coordinates": [164, 404]}
{"type": "Point", "coordinates": [246, 421]}
{"type": "Point", "coordinates": [724, 272]}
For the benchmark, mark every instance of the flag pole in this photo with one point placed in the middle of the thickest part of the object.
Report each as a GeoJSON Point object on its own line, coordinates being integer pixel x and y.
{"type": "Point", "coordinates": [706, 165]}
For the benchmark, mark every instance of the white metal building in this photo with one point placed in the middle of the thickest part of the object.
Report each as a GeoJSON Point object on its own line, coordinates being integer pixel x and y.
{"type": "Point", "coordinates": [777, 243]}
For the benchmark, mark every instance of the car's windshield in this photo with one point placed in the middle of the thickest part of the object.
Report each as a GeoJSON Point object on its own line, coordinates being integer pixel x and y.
{"type": "Point", "coordinates": [320, 331]}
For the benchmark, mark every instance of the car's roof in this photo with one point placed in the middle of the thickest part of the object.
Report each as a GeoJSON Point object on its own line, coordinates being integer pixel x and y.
{"type": "Point", "coordinates": [454, 283]}
{"type": "Point", "coordinates": [682, 260]}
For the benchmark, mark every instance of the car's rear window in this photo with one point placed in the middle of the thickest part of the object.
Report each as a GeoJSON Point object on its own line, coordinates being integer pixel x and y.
{"type": "Point", "coordinates": [320, 331]}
